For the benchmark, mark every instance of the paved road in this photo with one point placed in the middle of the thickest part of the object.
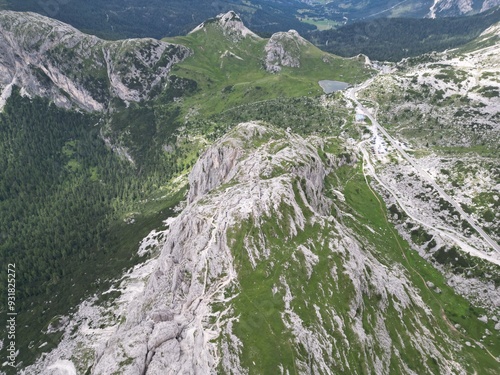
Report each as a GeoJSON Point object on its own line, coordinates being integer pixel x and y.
{"type": "Point", "coordinates": [351, 94]}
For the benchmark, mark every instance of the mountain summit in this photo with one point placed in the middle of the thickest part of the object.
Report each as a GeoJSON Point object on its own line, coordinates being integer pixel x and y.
{"type": "Point", "coordinates": [231, 25]}
{"type": "Point", "coordinates": [284, 49]}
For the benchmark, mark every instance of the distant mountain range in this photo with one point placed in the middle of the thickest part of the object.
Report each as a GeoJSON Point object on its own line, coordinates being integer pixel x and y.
{"type": "Point", "coordinates": [159, 18]}
{"type": "Point", "coordinates": [359, 9]}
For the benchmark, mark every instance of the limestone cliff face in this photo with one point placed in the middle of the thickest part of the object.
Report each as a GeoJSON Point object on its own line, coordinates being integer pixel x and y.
{"type": "Point", "coordinates": [51, 59]}
{"type": "Point", "coordinates": [167, 330]}
{"type": "Point", "coordinates": [214, 169]}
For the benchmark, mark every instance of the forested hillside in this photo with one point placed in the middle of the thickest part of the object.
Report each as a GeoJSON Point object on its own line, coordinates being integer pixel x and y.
{"type": "Point", "coordinates": [392, 39]}
{"type": "Point", "coordinates": [66, 202]}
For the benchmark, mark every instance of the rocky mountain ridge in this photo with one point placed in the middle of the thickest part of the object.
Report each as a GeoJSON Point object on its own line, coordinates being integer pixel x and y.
{"type": "Point", "coordinates": [48, 58]}
{"type": "Point", "coordinates": [183, 312]}
{"type": "Point", "coordinates": [159, 19]}
{"type": "Point", "coordinates": [51, 59]}
{"type": "Point", "coordinates": [460, 7]}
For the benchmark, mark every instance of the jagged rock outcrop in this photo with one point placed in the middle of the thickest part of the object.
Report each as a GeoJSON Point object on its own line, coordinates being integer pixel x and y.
{"type": "Point", "coordinates": [283, 49]}
{"type": "Point", "coordinates": [167, 327]}
{"type": "Point", "coordinates": [488, 4]}
{"type": "Point", "coordinates": [51, 59]}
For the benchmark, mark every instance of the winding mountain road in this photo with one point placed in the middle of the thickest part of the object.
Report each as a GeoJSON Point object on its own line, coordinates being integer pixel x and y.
{"type": "Point", "coordinates": [351, 94]}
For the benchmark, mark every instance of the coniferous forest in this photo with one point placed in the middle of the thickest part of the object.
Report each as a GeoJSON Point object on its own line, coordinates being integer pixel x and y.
{"type": "Point", "coordinates": [63, 198]}
{"type": "Point", "coordinates": [392, 39]}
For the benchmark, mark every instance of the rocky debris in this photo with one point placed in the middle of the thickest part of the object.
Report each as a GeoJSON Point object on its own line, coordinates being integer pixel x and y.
{"type": "Point", "coordinates": [478, 291]}
{"type": "Point", "coordinates": [424, 213]}
{"type": "Point", "coordinates": [429, 91]}
{"type": "Point", "coordinates": [51, 59]}
{"type": "Point", "coordinates": [283, 49]}
{"type": "Point", "coordinates": [419, 99]}
{"type": "Point", "coordinates": [483, 318]}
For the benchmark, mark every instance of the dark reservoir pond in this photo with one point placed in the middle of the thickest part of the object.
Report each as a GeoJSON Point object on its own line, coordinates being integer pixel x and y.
{"type": "Point", "coordinates": [332, 86]}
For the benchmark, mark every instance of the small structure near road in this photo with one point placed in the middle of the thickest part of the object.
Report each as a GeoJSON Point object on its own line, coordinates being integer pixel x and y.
{"type": "Point", "coordinates": [360, 117]}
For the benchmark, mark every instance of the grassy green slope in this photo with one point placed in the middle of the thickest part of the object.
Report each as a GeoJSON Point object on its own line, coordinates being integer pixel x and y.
{"type": "Point", "coordinates": [230, 73]}
{"type": "Point", "coordinates": [325, 298]}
